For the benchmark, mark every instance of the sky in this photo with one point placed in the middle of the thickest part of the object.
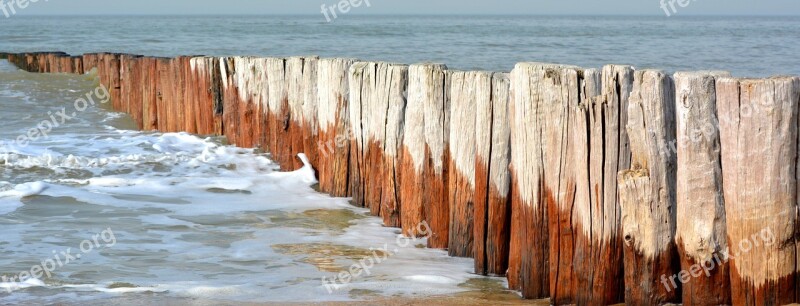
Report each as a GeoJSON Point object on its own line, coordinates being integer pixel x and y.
{"type": "Point", "coordinates": [382, 7]}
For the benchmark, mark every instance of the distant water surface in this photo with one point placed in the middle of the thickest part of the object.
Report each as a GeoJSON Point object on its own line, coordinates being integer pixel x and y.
{"type": "Point", "coordinates": [746, 46]}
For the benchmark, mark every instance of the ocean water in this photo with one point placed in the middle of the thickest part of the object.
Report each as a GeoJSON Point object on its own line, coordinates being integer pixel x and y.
{"type": "Point", "coordinates": [182, 218]}
{"type": "Point", "coordinates": [745, 46]}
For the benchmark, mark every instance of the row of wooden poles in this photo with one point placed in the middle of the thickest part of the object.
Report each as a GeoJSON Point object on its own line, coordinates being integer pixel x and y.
{"type": "Point", "coordinates": [586, 186]}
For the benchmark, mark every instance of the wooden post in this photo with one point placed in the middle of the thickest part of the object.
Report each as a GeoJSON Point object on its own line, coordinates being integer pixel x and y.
{"type": "Point", "coordinates": [298, 127]}
{"type": "Point", "coordinates": [492, 179]}
{"type": "Point", "coordinates": [536, 112]}
{"type": "Point", "coordinates": [250, 97]}
{"type": "Point", "coordinates": [395, 94]}
{"type": "Point", "coordinates": [308, 119]}
{"type": "Point", "coordinates": [278, 112]}
{"type": "Point", "coordinates": [461, 175]}
{"type": "Point", "coordinates": [169, 100]}
{"type": "Point", "coordinates": [377, 108]}
{"type": "Point", "coordinates": [334, 123]}
{"type": "Point", "coordinates": [758, 137]}
{"type": "Point", "coordinates": [700, 235]}
{"type": "Point", "coordinates": [420, 87]}
{"type": "Point", "coordinates": [149, 77]}
{"type": "Point", "coordinates": [136, 89]}
{"type": "Point", "coordinates": [424, 194]}
{"type": "Point", "coordinates": [127, 82]}
{"type": "Point", "coordinates": [598, 150]}
{"type": "Point", "coordinates": [647, 191]}
{"type": "Point", "coordinates": [207, 98]}
{"type": "Point", "coordinates": [359, 76]}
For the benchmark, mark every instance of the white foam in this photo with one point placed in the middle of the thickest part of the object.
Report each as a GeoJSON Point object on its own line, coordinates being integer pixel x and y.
{"type": "Point", "coordinates": [14, 286]}
{"type": "Point", "coordinates": [25, 190]}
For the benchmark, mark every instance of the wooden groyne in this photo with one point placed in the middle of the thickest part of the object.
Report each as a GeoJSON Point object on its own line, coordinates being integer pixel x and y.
{"type": "Point", "coordinates": [585, 186]}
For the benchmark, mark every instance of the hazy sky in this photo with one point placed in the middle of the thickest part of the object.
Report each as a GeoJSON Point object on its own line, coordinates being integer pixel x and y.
{"type": "Point", "coordinates": [308, 7]}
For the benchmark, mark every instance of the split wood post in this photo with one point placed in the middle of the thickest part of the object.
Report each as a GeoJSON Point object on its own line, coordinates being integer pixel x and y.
{"type": "Point", "coordinates": [492, 178]}
{"type": "Point", "coordinates": [758, 137]}
{"type": "Point", "coordinates": [701, 236]}
{"type": "Point", "coordinates": [647, 191]}
{"type": "Point", "coordinates": [334, 124]}
{"type": "Point", "coordinates": [600, 150]}
{"type": "Point", "coordinates": [461, 175]}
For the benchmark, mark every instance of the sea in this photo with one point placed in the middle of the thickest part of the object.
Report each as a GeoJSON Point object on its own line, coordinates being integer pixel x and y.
{"type": "Point", "coordinates": [104, 214]}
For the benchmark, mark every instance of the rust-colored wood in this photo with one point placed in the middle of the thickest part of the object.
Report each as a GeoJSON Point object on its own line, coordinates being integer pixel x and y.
{"type": "Point", "coordinates": [334, 123]}
{"type": "Point", "coordinates": [461, 174]}
{"type": "Point", "coordinates": [492, 180]}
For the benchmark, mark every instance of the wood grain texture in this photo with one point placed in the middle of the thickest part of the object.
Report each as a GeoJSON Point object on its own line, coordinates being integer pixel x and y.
{"type": "Point", "coordinates": [539, 93]}
{"type": "Point", "coordinates": [492, 179]}
{"type": "Point", "coordinates": [758, 138]}
{"type": "Point", "coordinates": [600, 150]}
{"type": "Point", "coordinates": [206, 100]}
{"type": "Point", "coordinates": [701, 235]}
{"type": "Point", "coordinates": [436, 199]}
{"type": "Point", "coordinates": [647, 191]}
{"type": "Point", "coordinates": [461, 175]}
{"type": "Point", "coordinates": [377, 108]}
{"type": "Point", "coordinates": [423, 86]}
{"type": "Point", "coordinates": [334, 122]}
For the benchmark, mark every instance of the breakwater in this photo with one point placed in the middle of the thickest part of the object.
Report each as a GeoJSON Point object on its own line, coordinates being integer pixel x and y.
{"type": "Point", "coordinates": [587, 186]}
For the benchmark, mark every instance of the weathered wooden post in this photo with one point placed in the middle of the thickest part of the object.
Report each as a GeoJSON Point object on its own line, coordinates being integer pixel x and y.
{"type": "Point", "coordinates": [334, 124]}
{"type": "Point", "coordinates": [360, 76]}
{"type": "Point", "coordinates": [309, 122]}
{"type": "Point", "coordinates": [647, 191]}
{"type": "Point", "coordinates": [461, 175]}
{"type": "Point", "coordinates": [598, 151]}
{"type": "Point", "coordinates": [758, 137]}
{"type": "Point", "coordinates": [420, 88]}
{"type": "Point", "coordinates": [395, 94]}
{"type": "Point", "coordinates": [170, 95]}
{"type": "Point", "coordinates": [534, 106]}
{"type": "Point", "coordinates": [149, 76]}
{"type": "Point", "coordinates": [206, 100]}
{"type": "Point", "coordinates": [278, 112]}
{"type": "Point", "coordinates": [492, 179]}
{"type": "Point", "coordinates": [250, 96]}
{"type": "Point", "coordinates": [424, 195]}
{"type": "Point", "coordinates": [298, 71]}
{"type": "Point", "coordinates": [127, 82]}
{"type": "Point", "coordinates": [377, 108]}
{"type": "Point", "coordinates": [701, 236]}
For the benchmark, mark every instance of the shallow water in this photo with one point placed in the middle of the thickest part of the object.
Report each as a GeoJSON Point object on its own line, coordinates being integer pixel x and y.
{"type": "Point", "coordinates": [176, 217]}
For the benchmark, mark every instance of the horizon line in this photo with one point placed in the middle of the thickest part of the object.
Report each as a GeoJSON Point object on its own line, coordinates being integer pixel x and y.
{"type": "Point", "coordinates": [408, 15]}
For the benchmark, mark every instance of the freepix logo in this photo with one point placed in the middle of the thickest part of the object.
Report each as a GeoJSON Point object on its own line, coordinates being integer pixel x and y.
{"type": "Point", "coordinates": [343, 7]}
{"type": "Point", "coordinates": [10, 8]}
{"type": "Point", "coordinates": [669, 6]}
